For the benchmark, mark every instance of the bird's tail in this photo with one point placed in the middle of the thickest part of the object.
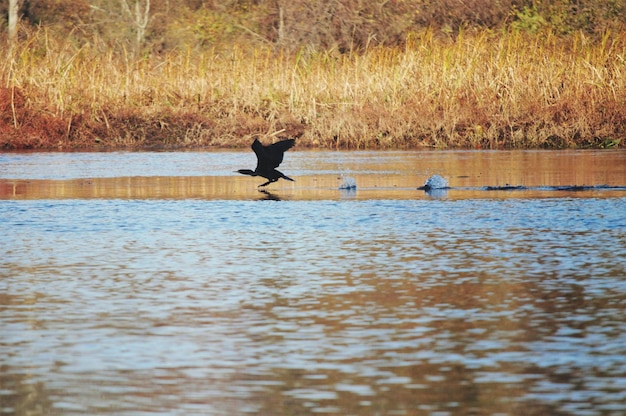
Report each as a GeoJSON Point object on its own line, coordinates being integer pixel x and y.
{"type": "Point", "coordinates": [282, 175]}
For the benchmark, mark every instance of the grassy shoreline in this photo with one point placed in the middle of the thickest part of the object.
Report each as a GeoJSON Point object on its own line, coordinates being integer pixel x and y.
{"type": "Point", "coordinates": [484, 89]}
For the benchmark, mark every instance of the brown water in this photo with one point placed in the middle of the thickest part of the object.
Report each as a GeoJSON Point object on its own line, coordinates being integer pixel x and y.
{"type": "Point", "coordinates": [163, 283]}
{"type": "Point", "coordinates": [379, 175]}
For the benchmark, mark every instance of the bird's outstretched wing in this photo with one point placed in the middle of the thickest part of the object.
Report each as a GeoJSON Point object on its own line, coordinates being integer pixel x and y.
{"type": "Point", "coordinates": [269, 157]}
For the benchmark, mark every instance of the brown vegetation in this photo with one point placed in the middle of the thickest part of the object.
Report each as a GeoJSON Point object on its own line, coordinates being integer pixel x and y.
{"type": "Point", "coordinates": [513, 77]}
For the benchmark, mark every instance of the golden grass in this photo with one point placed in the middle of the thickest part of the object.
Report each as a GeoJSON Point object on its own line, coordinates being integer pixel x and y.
{"type": "Point", "coordinates": [481, 90]}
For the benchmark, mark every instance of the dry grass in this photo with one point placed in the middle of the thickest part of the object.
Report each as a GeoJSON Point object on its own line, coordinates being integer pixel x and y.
{"type": "Point", "coordinates": [480, 90]}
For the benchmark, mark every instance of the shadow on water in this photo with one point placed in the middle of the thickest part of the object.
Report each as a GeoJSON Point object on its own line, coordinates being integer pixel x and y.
{"type": "Point", "coordinates": [501, 293]}
{"type": "Point", "coordinates": [268, 196]}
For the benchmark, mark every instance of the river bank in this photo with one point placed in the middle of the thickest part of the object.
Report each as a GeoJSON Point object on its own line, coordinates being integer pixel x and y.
{"type": "Point", "coordinates": [479, 90]}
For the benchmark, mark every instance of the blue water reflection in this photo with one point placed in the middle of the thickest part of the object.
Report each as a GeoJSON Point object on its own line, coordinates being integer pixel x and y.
{"type": "Point", "coordinates": [299, 307]}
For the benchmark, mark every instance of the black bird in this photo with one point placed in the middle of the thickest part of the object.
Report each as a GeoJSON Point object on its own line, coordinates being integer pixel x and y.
{"type": "Point", "coordinates": [268, 159]}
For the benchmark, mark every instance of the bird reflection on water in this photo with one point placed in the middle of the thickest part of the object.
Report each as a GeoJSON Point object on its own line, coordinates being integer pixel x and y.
{"type": "Point", "coordinates": [268, 196]}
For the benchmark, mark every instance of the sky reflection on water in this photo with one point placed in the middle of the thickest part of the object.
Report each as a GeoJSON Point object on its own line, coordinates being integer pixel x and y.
{"type": "Point", "coordinates": [298, 307]}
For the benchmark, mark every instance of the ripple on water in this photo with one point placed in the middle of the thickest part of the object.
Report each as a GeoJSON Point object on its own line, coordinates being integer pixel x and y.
{"type": "Point", "coordinates": [222, 307]}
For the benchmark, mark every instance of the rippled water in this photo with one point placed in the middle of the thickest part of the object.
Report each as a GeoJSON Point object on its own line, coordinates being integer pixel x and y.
{"type": "Point", "coordinates": [372, 303]}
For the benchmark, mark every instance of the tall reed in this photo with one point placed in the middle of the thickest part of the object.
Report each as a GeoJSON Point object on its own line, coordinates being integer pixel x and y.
{"type": "Point", "coordinates": [484, 89]}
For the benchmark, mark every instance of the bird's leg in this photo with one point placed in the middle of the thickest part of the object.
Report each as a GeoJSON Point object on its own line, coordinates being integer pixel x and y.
{"type": "Point", "coordinates": [268, 182]}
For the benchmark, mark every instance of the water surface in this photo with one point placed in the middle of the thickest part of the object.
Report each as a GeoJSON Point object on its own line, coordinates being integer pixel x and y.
{"type": "Point", "coordinates": [319, 174]}
{"type": "Point", "coordinates": [126, 288]}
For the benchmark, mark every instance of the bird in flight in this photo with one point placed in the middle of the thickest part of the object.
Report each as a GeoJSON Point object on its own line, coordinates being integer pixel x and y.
{"type": "Point", "coordinates": [268, 159]}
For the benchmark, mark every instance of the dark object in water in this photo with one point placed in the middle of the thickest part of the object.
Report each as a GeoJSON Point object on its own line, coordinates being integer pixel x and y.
{"type": "Point", "coordinates": [268, 159]}
{"type": "Point", "coordinates": [575, 188]}
{"type": "Point", "coordinates": [505, 188]}
{"type": "Point", "coordinates": [568, 188]}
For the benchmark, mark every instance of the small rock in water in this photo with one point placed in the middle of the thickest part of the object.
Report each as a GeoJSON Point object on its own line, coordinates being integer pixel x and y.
{"type": "Point", "coordinates": [435, 182]}
{"type": "Point", "coordinates": [348, 183]}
